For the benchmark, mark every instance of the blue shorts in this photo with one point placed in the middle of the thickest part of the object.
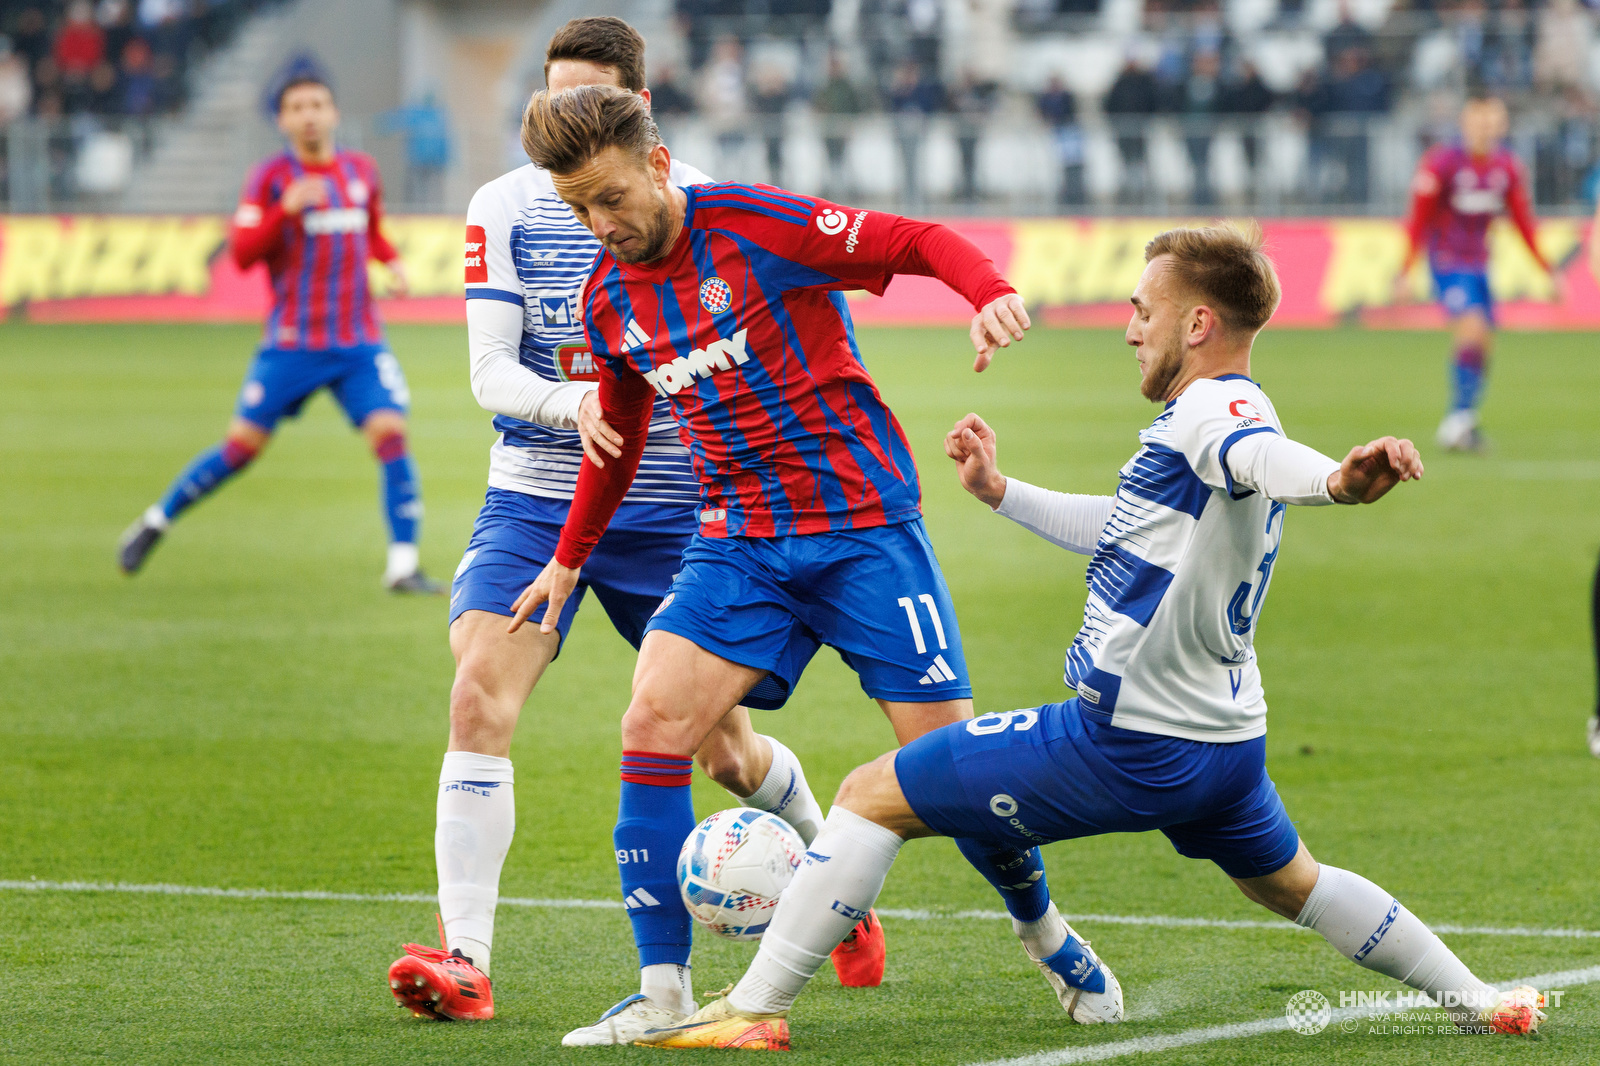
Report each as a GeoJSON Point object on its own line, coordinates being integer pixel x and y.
{"type": "Point", "coordinates": [363, 379]}
{"type": "Point", "coordinates": [1463, 291]}
{"type": "Point", "coordinates": [875, 595]}
{"type": "Point", "coordinates": [1057, 772]}
{"type": "Point", "coordinates": [516, 535]}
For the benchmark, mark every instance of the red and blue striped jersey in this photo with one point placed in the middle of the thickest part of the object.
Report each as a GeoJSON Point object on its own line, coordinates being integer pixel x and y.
{"type": "Point", "coordinates": [743, 328]}
{"type": "Point", "coordinates": [317, 262]}
{"type": "Point", "coordinates": [1454, 197]}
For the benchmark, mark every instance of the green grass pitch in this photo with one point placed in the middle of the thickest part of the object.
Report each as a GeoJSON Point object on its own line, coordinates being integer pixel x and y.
{"type": "Point", "coordinates": [254, 712]}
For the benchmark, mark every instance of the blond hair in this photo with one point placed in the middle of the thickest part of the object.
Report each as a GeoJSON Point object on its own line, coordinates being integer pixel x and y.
{"type": "Point", "coordinates": [561, 133]}
{"type": "Point", "coordinates": [1224, 267]}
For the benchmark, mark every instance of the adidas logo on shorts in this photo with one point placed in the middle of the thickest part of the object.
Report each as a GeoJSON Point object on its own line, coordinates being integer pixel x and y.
{"type": "Point", "coordinates": [939, 673]}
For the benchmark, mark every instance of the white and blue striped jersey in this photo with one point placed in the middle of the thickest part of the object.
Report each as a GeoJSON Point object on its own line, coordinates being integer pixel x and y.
{"type": "Point", "coordinates": [536, 254]}
{"type": "Point", "coordinates": [1179, 574]}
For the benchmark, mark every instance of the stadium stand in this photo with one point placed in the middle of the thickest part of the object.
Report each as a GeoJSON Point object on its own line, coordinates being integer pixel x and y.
{"type": "Point", "coordinates": [1004, 106]}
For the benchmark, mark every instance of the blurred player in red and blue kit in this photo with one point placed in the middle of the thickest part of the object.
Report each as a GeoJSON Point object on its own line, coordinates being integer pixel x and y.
{"type": "Point", "coordinates": [313, 214]}
{"type": "Point", "coordinates": [1458, 190]}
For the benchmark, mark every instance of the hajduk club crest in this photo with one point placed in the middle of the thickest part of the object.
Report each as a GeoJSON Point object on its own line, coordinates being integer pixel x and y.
{"type": "Point", "coordinates": [716, 296]}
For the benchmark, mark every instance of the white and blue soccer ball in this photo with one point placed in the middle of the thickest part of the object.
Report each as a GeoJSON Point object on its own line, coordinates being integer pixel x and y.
{"type": "Point", "coordinates": [733, 868]}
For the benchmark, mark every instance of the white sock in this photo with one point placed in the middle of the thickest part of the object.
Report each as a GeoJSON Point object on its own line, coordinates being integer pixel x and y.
{"type": "Point", "coordinates": [1372, 929]}
{"type": "Point", "coordinates": [832, 891]}
{"type": "Point", "coordinates": [156, 518]}
{"type": "Point", "coordinates": [668, 985]}
{"type": "Point", "coordinates": [403, 561]}
{"type": "Point", "coordinates": [784, 792]}
{"type": "Point", "coordinates": [1045, 936]}
{"type": "Point", "coordinates": [477, 816]}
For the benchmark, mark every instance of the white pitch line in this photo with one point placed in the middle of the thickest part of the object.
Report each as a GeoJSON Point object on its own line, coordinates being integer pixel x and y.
{"type": "Point", "coordinates": [1146, 1045]}
{"type": "Point", "coordinates": [904, 914]}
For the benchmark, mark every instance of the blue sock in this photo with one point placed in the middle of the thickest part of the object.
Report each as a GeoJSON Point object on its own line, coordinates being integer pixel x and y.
{"type": "Point", "coordinates": [1466, 376]}
{"type": "Point", "coordinates": [402, 499]}
{"type": "Point", "coordinates": [654, 818]}
{"type": "Point", "coordinates": [204, 474]}
{"type": "Point", "coordinates": [1016, 874]}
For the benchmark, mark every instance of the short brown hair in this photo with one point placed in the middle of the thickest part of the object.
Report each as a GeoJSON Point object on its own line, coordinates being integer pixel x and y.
{"type": "Point", "coordinates": [603, 40]}
{"type": "Point", "coordinates": [563, 132]}
{"type": "Point", "coordinates": [1225, 267]}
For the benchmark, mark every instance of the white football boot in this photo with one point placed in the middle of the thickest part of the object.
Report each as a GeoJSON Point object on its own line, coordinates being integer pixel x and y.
{"type": "Point", "coordinates": [624, 1023]}
{"type": "Point", "coordinates": [1459, 432]}
{"type": "Point", "coordinates": [1086, 987]}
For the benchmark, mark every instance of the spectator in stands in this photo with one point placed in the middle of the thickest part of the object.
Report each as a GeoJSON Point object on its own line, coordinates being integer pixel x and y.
{"type": "Point", "coordinates": [838, 101]}
{"type": "Point", "coordinates": [1508, 47]}
{"type": "Point", "coordinates": [769, 100]}
{"type": "Point", "coordinates": [1058, 110]}
{"type": "Point", "coordinates": [1201, 93]}
{"type": "Point", "coordinates": [47, 98]}
{"type": "Point", "coordinates": [1338, 107]}
{"type": "Point", "coordinates": [426, 129]}
{"type": "Point", "coordinates": [973, 101]}
{"type": "Point", "coordinates": [138, 78]}
{"type": "Point", "coordinates": [1130, 101]}
{"type": "Point", "coordinates": [723, 100]}
{"type": "Point", "coordinates": [667, 98]}
{"type": "Point", "coordinates": [1247, 95]}
{"type": "Point", "coordinates": [1561, 53]}
{"type": "Point", "coordinates": [1346, 34]}
{"type": "Point", "coordinates": [116, 20]}
{"type": "Point", "coordinates": [31, 37]}
{"type": "Point", "coordinates": [914, 95]}
{"type": "Point", "coordinates": [79, 47]}
{"type": "Point", "coordinates": [924, 21]}
{"type": "Point", "coordinates": [101, 97]}
{"type": "Point", "coordinates": [16, 88]}
{"type": "Point", "coordinates": [1468, 24]}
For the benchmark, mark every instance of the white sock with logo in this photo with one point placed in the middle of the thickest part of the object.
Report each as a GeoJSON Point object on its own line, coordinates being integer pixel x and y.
{"type": "Point", "coordinates": [832, 891]}
{"type": "Point", "coordinates": [477, 816]}
{"type": "Point", "coordinates": [784, 792]}
{"type": "Point", "coordinates": [1371, 928]}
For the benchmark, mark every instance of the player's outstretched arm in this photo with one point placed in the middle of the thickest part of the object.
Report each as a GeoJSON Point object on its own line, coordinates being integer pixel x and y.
{"type": "Point", "coordinates": [1371, 470]}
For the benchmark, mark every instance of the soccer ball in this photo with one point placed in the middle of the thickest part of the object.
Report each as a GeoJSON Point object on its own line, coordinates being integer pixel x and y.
{"type": "Point", "coordinates": [733, 868]}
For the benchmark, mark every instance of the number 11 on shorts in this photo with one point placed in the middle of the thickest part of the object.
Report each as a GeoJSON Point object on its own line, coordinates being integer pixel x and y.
{"type": "Point", "coordinates": [916, 625]}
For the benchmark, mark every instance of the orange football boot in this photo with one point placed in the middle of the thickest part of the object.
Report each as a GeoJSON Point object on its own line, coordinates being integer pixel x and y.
{"type": "Point", "coordinates": [442, 985]}
{"type": "Point", "coordinates": [858, 960]}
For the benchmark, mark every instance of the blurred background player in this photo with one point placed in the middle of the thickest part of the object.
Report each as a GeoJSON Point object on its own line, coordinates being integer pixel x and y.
{"type": "Point", "coordinates": [314, 215]}
{"type": "Point", "coordinates": [1458, 190]}
{"type": "Point", "coordinates": [526, 256]}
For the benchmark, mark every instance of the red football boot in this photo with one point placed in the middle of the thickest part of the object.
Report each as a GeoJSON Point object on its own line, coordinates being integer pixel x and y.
{"type": "Point", "coordinates": [858, 960]}
{"type": "Point", "coordinates": [441, 985]}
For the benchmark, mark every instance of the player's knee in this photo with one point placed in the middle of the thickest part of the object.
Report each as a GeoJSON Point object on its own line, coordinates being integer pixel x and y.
{"type": "Point", "coordinates": [870, 790]}
{"type": "Point", "coordinates": [649, 725]}
{"type": "Point", "coordinates": [389, 445]}
{"type": "Point", "coordinates": [476, 707]}
{"type": "Point", "coordinates": [238, 453]}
